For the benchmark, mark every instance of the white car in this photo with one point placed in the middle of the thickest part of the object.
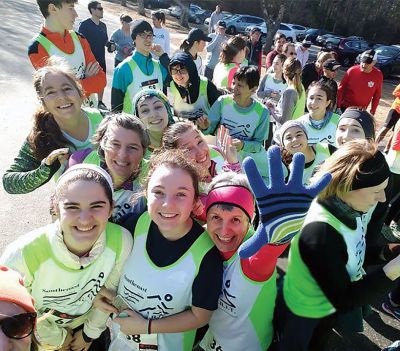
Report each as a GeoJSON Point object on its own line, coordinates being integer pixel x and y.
{"type": "Point", "coordinates": [226, 16]}
{"type": "Point", "coordinates": [283, 28]}
{"type": "Point", "coordinates": [299, 29]}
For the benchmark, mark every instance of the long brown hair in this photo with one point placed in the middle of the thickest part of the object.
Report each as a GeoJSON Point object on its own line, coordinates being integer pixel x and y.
{"type": "Point", "coordinates": [231, 48]}
{"type": "Point", "coordinates": [46, 135]}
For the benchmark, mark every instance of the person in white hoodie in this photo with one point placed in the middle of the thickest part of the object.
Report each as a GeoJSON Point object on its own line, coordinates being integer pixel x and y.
{"type": "Point", "coordinates": [66, 263]}
{"type": "Point", "coordinates": [161, 34]}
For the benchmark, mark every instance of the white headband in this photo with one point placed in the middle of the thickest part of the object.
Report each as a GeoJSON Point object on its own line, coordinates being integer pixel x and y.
{"type": "Point", "coordinates": [87, 166]}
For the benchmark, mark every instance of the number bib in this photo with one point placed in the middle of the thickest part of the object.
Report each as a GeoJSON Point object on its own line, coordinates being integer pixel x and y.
{"type": "Point", "coordinates": [140, 342]}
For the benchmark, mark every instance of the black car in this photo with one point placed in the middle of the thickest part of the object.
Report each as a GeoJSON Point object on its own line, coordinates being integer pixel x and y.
{"type": "Point", "coordinates": [348, 49]}
{"type": "Point", "coordinates": [157, 4]}
{"type": "Point", "coordinates": [388, 60]}
{"type": "Point", "coordinates": [312, 34]}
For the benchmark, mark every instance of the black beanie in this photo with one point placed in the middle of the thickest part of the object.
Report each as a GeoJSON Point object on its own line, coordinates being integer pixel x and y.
{"type": "Point", "coordinates": [365, 119]}
{"type": "Point", "coordinates": [140, 26]}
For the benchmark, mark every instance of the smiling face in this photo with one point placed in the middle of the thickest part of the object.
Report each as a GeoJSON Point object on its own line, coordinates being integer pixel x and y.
{"type": "Point", "coordinates": [153, 114]}
{"type": "Point", "coordinates": [123, 153]}
{"type": "Point", "coordinates": [180, 75]}
{"type": "Point", "coordinates": [83, 211]}
{"type": "Point", "coordinates": [170, 200]}
{"type": "Point", "coordinates": [317, 103]}
{"type": "Point", "coordinates": [60, 97]}
{"type": "Point", "coordinates": [295, 140]}
{"type": "Point", "coordinates": [144, 42]}
{"type": "Point", "coordinates": [200, 45]}
{"type": "Point", "coordinates": [364, 199]}
{"type": "Point", "coordinates": [227, 228]}
{"type": "Point", "coordinates": [348, 129]}
{"type": "Point", "coordinates": [198, 150]}
{"type": "Point", "coordinates": [241, 92]}
{"type": "Point", "coordinates": [8, 309]}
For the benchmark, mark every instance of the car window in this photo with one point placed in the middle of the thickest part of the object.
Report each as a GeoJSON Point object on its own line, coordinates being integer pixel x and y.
{"type": "Point", "coordinates": [298, 27]}
{"type": "Point", "coordinates": [283, 27]}
{"type": "Point", "coordinates": [364, 45]}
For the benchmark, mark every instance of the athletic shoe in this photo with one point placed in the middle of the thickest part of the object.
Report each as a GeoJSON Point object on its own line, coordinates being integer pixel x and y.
{"type": "Point", "coordinates": [392, 310]}
{"type": "Point", "coordinates": [394, 347]}
{"type": "Point", "coordinates": [102, 106]}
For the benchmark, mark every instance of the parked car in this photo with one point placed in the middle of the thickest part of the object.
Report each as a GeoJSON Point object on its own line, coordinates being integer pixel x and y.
{"type": "Point", "coordinates": [298, 29]}
{"type": "Point", "coordinates": [388, 60]}
{"type": "Point", "coordinates": [332, 43]}
{"type": "Point", "coordinates": [238, 23]}
{"type": "Point", "coordinates": [199, 16]}
{"type": "Point", "coordinates": [176, 11]}
{"type": "Point", "coordinates": [349, 49]}
{"type": "Point", "coordinates": [225, 18]}
{"type": "Point", "coordinates": [321, 39]}
{"type": "Point", "coordinates": [283, 28]}
{"type": "Point", "coordinates": [157, 4]}
{"type": "Point", "coordinates": [312, 33]}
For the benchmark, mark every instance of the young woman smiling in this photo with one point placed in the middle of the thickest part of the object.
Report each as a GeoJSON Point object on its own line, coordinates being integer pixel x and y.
{"type": "Point", "coordinates": [119, 145]}
{"type": "Point", "coordinates": [66, 263]}
{"type": "Point", "coordinates": [60, 126]}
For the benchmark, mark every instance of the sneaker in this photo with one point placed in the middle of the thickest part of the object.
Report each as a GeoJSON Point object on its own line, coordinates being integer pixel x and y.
{"type": "Point", "coordinates": [102, 106]}
{"type": "Point", "coordinates": [388, 234]}
{"type": "Point", "coordinates": [392, 310]}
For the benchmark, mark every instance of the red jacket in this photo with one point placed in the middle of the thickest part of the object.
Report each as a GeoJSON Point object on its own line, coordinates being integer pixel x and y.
{"type": "Point", "coordinates": [38, 56]}
{"type": "Point", "coordinates": [358, 88]}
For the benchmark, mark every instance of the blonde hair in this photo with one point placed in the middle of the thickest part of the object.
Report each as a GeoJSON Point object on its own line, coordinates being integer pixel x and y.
{"type": "Point", "coordinates": [344, 166]}
{"type": "Point", "coordinates": [292, 70]}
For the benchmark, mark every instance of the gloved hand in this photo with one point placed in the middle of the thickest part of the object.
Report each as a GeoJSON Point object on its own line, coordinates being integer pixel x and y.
{"type": "Point", "coordinates": [283, 206]}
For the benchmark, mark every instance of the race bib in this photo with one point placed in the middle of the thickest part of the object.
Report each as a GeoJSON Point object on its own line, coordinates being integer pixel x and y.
{"type": "Point", "coordinates": [151, 84]}
{"type": "Point", "coordinates": [143, 342]}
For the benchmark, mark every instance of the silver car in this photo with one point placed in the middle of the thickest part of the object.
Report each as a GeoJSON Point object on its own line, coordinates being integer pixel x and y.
{"type": "Point", "coordinates": [238, 23]}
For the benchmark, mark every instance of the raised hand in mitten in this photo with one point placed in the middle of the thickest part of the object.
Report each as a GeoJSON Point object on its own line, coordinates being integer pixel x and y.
{"type": "Point", "coordinates": [282, 205]}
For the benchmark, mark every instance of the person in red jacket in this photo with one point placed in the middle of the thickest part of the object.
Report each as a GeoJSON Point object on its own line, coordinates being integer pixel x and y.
{"type": "Point", "coordinates": [57, 38]}
{"type": "Point", "coordinates": [361, 84]}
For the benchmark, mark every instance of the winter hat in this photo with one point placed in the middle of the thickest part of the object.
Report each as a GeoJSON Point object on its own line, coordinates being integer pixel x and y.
{"type": "Point", "coordinates": [289, 124]}
{"type": "Point", "coordinates": [140, 26]}
{"type": "Point", "coordinates": [364, 118]}
{"type": "Point", "coordinates": [12, 289]}
{"type": "Point", "coordinates": [157, 93]}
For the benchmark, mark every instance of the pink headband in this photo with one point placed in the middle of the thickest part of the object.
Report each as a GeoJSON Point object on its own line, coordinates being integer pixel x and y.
{"type": "Point", "coordinates": [234, 195]}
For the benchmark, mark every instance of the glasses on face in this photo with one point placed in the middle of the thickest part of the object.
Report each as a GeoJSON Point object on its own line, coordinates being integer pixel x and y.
{"type": "Point", "coordinates": [19, 326]}
{"type": "Point", "coordinates": [175, 71]}
{"type": "Point", "coordinates": [99, 8]}
{"type": "Point", "coordinates": [146, 36]}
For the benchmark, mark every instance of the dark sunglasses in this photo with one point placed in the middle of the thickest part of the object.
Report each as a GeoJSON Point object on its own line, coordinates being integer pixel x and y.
{"type": "Point", "coordinates": [19, 326]}
{"type": "Point", "coordinates": [99, 8]}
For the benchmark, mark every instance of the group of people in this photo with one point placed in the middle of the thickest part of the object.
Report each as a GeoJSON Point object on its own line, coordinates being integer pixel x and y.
{"type": "Point", "coordinates": [170, 212]}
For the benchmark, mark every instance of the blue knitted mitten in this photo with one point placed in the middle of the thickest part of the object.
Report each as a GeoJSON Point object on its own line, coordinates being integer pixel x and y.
{"type": "Point", "coordinates": [283, 206]}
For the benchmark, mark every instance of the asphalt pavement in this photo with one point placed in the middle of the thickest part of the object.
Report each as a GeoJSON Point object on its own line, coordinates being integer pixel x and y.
{"type": "Point", "coordinates": [20, 21]}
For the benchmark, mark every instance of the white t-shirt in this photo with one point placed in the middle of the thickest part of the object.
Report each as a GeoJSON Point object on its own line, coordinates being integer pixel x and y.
{"type": "Point", "coordinates": [161, 37]}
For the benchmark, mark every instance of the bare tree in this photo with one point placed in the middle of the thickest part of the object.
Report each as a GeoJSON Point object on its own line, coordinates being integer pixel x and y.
{"type": "Point", "coordinates": [273, 12]}
{"type": "Point", "coordinates": [141, 10]}
{"type": "Point", "coordinates": [184, 19]}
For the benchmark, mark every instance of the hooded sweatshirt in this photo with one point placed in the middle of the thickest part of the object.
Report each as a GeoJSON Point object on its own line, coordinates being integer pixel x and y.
{"type": "Point", "coordinates": [191, 93]}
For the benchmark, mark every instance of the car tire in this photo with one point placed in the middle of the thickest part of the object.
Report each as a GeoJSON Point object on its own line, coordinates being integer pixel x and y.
{"type": "Point", "coordinates": [197, 20]}
{"type": "Point", "coordinates": [289, 39]}
{"type": "Point", "coordinates": [346, 62]}
{"type": "Point", "coordinates": [232, 30]}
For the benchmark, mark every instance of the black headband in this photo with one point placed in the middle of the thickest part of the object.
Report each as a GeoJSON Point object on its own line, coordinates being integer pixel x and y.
{"type": "Point", "coordinates": [372, 172]}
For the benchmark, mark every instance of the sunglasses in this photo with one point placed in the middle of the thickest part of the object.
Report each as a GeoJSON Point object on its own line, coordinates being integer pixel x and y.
{"type": "Point", "coordinates": [99, 8]}
{"type": "Point", "coordinates": [19, 326]}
